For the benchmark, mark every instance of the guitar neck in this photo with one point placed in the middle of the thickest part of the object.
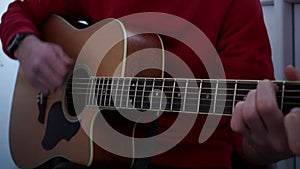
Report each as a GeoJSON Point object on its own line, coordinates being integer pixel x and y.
{"type": "Point", "coordinates": [180, 95]}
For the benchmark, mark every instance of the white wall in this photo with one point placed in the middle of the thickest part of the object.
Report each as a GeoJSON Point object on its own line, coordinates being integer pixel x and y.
{"type": "Point", "coordinates": [278, 18]}
{"type": "Point", "coordinates": [283, 23]}
{"type": "Point", "coordinates": [8, 70]}
{"type": "Point", "coordinates": [297, 50]}
{"type": "Point", "coordinates": [297, 36]}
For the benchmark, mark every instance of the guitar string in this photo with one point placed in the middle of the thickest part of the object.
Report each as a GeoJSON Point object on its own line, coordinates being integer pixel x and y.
{"type": "Point", "coordinates": [121, 97]}
{"type": "Point", "coordinates": [241, 92]}
{"type": "Point", "coordinates": [180, 79]}
{"type": "Point", "coordinates": [71, 85]}
{"type": "Point", "coordinates": [158, 80]}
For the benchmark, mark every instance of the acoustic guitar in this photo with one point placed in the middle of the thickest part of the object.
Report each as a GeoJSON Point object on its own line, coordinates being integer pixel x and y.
{"type": "Point", "coordinates": [105, 79]}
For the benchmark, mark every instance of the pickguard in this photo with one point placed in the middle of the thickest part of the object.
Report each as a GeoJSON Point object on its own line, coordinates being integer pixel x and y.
{"type": "Point", "coordinates": [58, 127]}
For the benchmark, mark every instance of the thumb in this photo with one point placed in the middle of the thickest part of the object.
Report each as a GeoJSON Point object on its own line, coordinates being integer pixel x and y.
{"type": "Point", "coordinates": [291, 122]}
{"type": "Point", "coordinates": [291, 73]}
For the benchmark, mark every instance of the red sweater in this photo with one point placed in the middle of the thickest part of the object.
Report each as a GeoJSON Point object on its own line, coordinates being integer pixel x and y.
{"type": "Point", "coordinates": [235, 28]}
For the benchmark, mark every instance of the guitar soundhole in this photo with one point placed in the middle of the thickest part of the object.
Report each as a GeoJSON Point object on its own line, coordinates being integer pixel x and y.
{"type": "Point", "coordinates": [76, 92]}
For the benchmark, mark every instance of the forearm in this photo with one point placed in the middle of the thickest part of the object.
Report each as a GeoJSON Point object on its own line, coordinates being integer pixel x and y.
{"type": "Point", "coordinates": [15, 20]}
{"type": "Point", "coordinates": [26, 15]}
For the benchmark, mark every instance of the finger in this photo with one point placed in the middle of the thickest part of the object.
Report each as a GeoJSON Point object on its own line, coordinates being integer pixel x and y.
{"type": "Point", "coordinates": [266, 103]}
{"type": "Point", "coordinates": [253, 120]}
{"type": "Point", "coordinates": [41, 85]}
{"type": "Point", "coordinates": [61, 63]}
{"type": "Point", "coordinates": [237, 123]}
{"type": "Point", "coordinates": [291, 122]}
{"type": "Point", "coordinates": [291, 73]}
{"type": "Point", "coordinates": [271, 115]}
{"type": "Point", "coordinates": [47, 85]}
{"type": "Point", "coordinates": [49, 78]}
{"type": "Point", "coordinates": [39, 75]}
{"type": "Point", "coordinates": [63, 56]}
{"type": "Point", "coordinates": [44, 87]}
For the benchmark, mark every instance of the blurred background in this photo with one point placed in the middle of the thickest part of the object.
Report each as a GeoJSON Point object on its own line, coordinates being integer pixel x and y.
{"type": "Point", "coordinates": [282, 18]}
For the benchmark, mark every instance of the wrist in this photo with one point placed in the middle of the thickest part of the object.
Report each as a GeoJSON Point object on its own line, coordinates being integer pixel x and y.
{"type": "Point", "coordinates": [26, 46]}
{"type": "Point", "coordinates": [16, 42]}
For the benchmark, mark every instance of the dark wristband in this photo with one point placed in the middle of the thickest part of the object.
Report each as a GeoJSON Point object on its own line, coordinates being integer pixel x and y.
{"type": "Point", "coordinates": [15, 43]}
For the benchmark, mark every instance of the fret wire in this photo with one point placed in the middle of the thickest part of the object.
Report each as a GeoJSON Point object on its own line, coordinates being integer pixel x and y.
{"type": "Point", "coordinates": [93, 89]}
{"type": "Point", "coordinates": [143, 94]}
{"type": "Point", "coordinates": [122, 92]}
{"type": "Point", "coordinates": [98, 90]}
{"type": "Point", "coordinates": [106, 91]}
{"type": "Point", "coordinates": [90, 93]}
{"type": "Point", "coordinates": [161, 94]}
{"type": "Point", "coordinates": [234, 95]}
{"type": "Point", "coordinates": [128, 93]}
{"type": "Point", "coordinates": [215, 99]}
{"type": "Point", "coordinates": [151, 103]}
{"type": "Point", "coordinates": [94, 93]}
{"type": "Point", "coordinates": [173, 92]}
{"type": "Point", "coordinates": [111, 91]}
{"type": "Point", "coordinates": [184, 101]}
{"type": "Point", "coordinates": [135, 91]}
{"type": "Point", "coordinates": [101, 93]}
{"type": "Point", "coordinates": [199, 95]}
{"type": "Point", "coordinates": [117, 86]}
{"type": "Point", "coordinates": [282, 95]}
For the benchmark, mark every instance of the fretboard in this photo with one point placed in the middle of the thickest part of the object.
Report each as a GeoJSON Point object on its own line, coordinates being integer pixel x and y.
{"type": "Point", "coordinates": [179, 95]}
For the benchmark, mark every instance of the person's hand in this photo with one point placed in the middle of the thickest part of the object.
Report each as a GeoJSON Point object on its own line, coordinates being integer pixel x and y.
{"type": "Point", "coordinates": [259, 120]}
{"type": "Point", "coordinates": [45, 65]}
{"type": "Point", "coordinates": [292, 119]}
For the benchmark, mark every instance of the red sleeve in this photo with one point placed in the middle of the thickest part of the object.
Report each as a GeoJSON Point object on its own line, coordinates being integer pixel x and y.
{"type": "Point", "coordinates": [25, 15]}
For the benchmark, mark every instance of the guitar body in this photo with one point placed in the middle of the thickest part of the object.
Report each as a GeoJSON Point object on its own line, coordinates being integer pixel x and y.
{"type": "Point", "coordinates": [44, 127]}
